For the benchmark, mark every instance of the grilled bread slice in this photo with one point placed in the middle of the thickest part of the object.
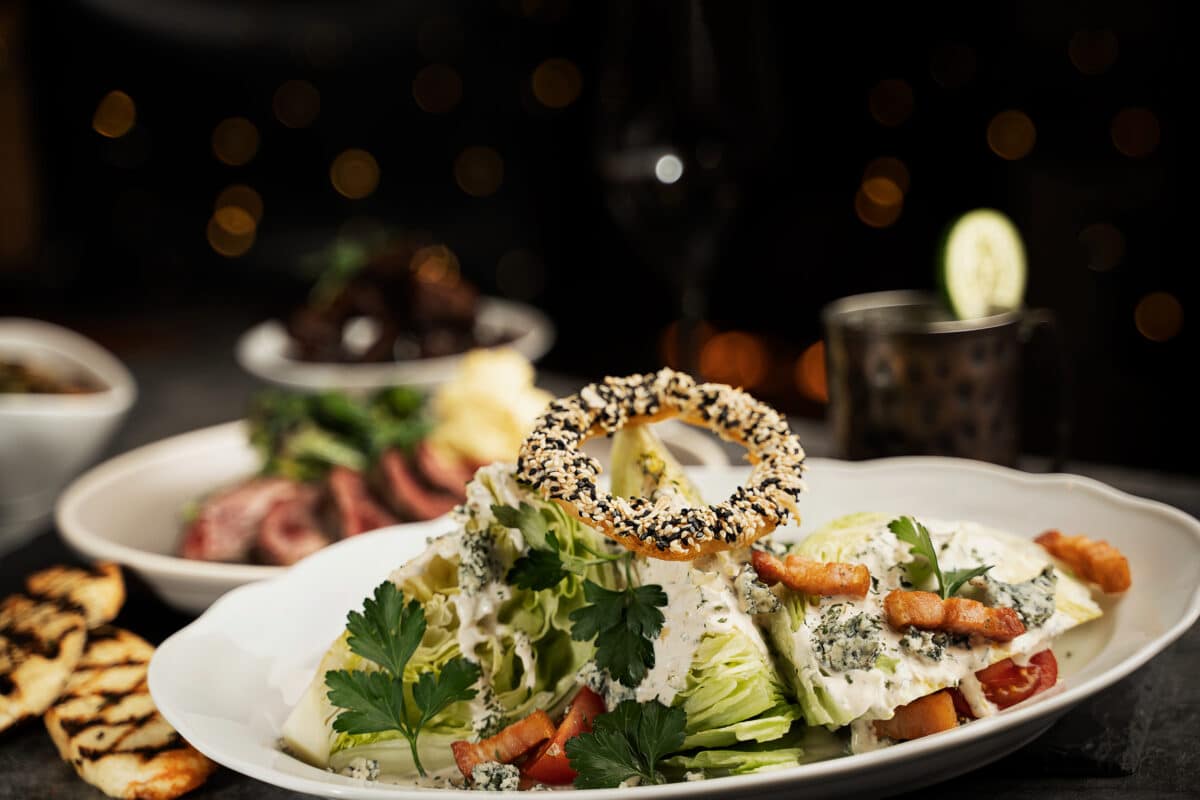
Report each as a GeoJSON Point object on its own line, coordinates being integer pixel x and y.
{"type": "Point", "coordinates": [40, 644]}
{"type": "Point", "coordinates": [107, 727]}
{"type": "Point", "coordinates": [97, 591]}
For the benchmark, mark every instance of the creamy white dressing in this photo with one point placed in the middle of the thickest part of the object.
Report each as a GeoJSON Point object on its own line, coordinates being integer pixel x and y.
{"type": "Point", "coordinates": [869, 694]}
{"type": "Point", "coordinates": [700, 600]}
{"type": "Point", "coordinates": [972, 692]}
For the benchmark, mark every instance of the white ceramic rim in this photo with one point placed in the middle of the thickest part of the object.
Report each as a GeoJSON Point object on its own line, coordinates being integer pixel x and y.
{"type": "Point", "coordinates": [262, 351]}
{"type": "Point", "coordinates": [79, 535]}
{"type": "Point", "coordinates": [1047, 706]}
{"type": "Point", "coordinates": [120, 392]}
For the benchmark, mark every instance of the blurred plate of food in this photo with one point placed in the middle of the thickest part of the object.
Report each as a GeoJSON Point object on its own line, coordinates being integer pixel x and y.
{"type": "Point", "coordinates": [202, 512]}
{"type": "Point", "coordinates": [61, 398]}
{"type": "Point", "coordinates": [386, 313]}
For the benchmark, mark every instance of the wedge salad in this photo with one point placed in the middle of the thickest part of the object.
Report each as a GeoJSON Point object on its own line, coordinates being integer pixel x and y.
{"type": "Point", "coordinates": [526, 649]}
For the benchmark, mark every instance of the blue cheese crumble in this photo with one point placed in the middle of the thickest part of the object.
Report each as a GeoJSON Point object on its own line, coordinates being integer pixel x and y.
{"type": "Point", "coordinates": [600, 682]}
{"type": "Point", "coordinates": [754, 596]}
{"type": "Point", "coordinates": [477, 565]}
{"type": "Point", "coordinates": [1033, 600]}
{"type": "Point", "coordinates": [846, 644]}
{"type": "Point", "coordinates": [363, 769]}
{"type": "Point", "coordinates": [492, 776]}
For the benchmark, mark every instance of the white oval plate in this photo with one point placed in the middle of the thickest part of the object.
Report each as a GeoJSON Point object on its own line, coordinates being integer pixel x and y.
{"type": "Point", "coordinates": [263, 351]}
{"type": "Point", "coordinates": [228, 680]}
{"type": "Point", "coordinates": [129, 509]}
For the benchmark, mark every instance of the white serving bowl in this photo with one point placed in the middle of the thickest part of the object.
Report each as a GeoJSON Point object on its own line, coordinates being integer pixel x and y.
{"type": "Point", "coordinates": [130, 509]}
{"type": "Point", "coordinates": [265, 352]}
{"type": "Point", "coordinates": [45, 439]}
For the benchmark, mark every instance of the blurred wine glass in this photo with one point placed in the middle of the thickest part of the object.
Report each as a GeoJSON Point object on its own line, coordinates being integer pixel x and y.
{"type": "Point", "coordinates": [686, 118]}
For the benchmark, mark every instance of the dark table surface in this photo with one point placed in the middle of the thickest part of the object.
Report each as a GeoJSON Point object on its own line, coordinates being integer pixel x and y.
{"type": "Point", "coordinates": [1138, 739]}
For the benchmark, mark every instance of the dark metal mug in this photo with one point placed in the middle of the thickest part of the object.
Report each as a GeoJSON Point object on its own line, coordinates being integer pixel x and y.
{"type": "Point", "coordinates": [906, 378]}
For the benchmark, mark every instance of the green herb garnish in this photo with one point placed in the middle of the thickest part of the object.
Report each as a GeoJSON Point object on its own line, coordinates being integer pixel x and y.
{"type": "Point", "coordinates": [626, 743]}
{"type": "Point", "coordinates": [624, 624]}
{"type": "Point", "coordinates": [547, 562]}
{"type": "Point", "coordinates": [387, 632]}
{"type": "Point", "coordinates": [913, 533]}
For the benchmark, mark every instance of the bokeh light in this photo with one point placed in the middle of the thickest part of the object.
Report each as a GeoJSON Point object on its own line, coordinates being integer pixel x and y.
{"type": "Point", "coordinates": [235, 220]}
{"type": "Point", "coordinates": [520, 274]}
{"type": "Point", "coordinates": [952, 65]}
{"type": "Point", "coordinates": [882, 191]}
{"type": "Point", "coordinates": [891, 168]}
{"type": "Point", "coordinates": [1093, 52]}
{"type": "Point", "coordinates": [229, 243]}
{"type": "Point", "coordinates": [296, 104]}
{"type": "Point", "coordinates": [874, 214]}
{"type": "Point", "coordinates": [557, 83]}
{"type": "Point", "coordinates": [115, 115]}
{"type": "Point", "coordinates": [437, 88]}
{"type": "Point", "coordinates": [235, 141]}
{"type": "Point", "coordinates": [1011, 135]}
{"type": "Point", "coordinates": [354, 173]}
{"type": "Point", "coordinates": [1104, 244]}
{"type": "Point", "coordinates": [734, 357]}
{"type": "Point", "coordinates": [479, 171]}
{"type": "Point", "coordinates": [1159, 316]}
{"type": "Point", "coordinates": [243, 197]}
{"type": "Point", "coordinates": [1135, 132]}
{"type": "Point", "coordinates": [668, 168]}
{"type": "Point", "coordinates": [810, 376]}
{"type": "Point", "coordinates": [436, 264]}
{"type": "Point", "coordinates": [891, 102]}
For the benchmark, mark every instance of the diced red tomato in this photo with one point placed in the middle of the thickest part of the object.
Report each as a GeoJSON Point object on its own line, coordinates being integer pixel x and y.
{"type": "Point", "coordinates": [506, 746]}
{"type": "Point", "coordinates": [549, 763]}
{"type": "Point", "coordinates": [1006, 684]}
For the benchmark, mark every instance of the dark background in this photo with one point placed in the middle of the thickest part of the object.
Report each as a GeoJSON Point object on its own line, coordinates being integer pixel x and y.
{"type": "Point", "coordinates": [776, 111]}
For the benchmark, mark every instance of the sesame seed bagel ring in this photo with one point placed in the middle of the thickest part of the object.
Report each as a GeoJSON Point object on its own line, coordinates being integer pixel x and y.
{"type": "Point", "coordinates": [552, 463]}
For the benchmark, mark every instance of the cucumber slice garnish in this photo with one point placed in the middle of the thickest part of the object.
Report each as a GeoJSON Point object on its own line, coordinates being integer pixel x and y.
{"type": "Point", "coordinates": [981, 265]}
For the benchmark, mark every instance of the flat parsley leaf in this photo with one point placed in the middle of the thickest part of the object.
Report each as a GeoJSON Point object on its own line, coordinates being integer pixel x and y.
{"type": "Point", "coordinates": [373, 701]}
{"type": "Point", "coordinates": [388, 632]}
{"type": "Point", "coordinates": [625, 743]}
{"type": "Point", "coordinates": [955, 578]}
{"type": "Point", "coordinates": [433, 694]}
{"type": "Point", "coordinates": [913, 533]}
{"type": "Point", "coordinates": [624, 624]}
{"type": "Point", "coordinates": [540, 569]}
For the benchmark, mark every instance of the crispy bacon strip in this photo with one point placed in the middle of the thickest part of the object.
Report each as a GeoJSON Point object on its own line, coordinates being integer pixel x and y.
{"type": "Point", "coordinates": [1095, 561]}
{"type": "Point", "coordinates": [923, 716]}
{"type": "Point", "coordinates": [812, 577]}
{"type": "Point", "coordinates": [507, 745]}
{"type": "Point", "coordinates": [927, 611]}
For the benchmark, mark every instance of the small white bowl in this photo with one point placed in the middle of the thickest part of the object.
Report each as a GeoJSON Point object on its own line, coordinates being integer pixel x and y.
{"type": "Point", "coordinates": [130, 508]}
{"type": "Point", "coordinates": [265, 352]}
{"type": "Point", "coordinates": [45, 439]}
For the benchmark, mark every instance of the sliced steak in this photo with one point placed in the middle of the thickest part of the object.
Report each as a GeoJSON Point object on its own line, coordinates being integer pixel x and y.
{"type": "Point", "coordinates": [357, 512]}
{"type": "Point", "coordinates": [443, 472]}
{"type": "Point", "coordinates": [290, 530]}
{"type": "Point", "coordinates": [405, 492]}
{"type": "Point", "coordinates": [228, 522]}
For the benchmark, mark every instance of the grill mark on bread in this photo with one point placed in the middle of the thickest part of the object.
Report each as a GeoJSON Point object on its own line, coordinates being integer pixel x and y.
{"type": "Point", "coordinates": [174, 742]}
{"type": "Point", "coordinates": [107, 727]}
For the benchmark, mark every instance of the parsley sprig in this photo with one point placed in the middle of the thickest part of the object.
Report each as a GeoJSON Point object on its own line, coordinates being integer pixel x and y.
{"type": "Point", "coordinates": [548, 562]}
{"type": "Point", "coordinates": [627, 742]}
{"type": "Point", "coordinates": [913, 533]}
{"type": "Point", "coordinates": [387, 632]}
{"type": "Point", "coordinates": [623, 622]}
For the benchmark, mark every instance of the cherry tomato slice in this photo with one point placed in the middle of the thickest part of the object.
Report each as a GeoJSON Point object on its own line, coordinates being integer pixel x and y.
{"type": "Point", "coordinates": [1006, 684]}
{"type": "Point", "coordinates": [549, 763]}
